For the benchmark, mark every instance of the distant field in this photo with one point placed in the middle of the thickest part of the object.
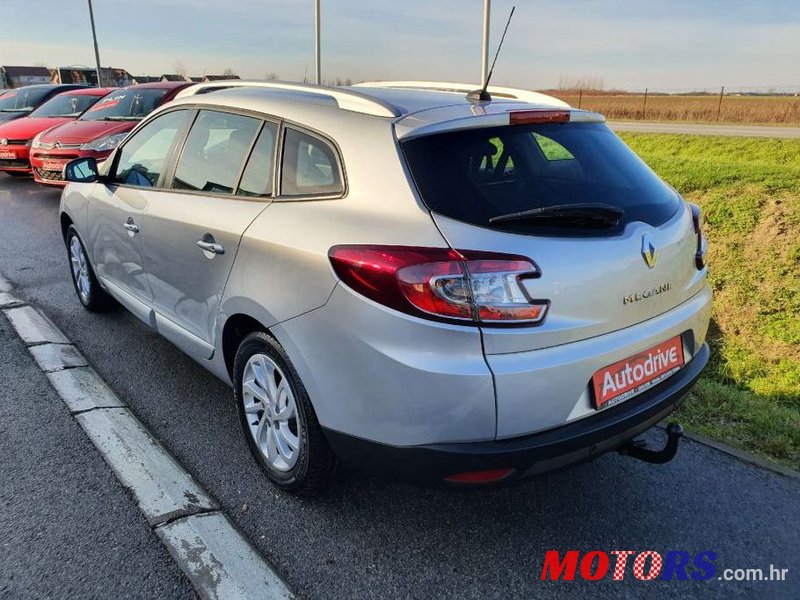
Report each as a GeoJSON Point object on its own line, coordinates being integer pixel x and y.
{"type": "Point", "coordinates": [749, 190]}
{"type": "Point", "coordinates": [783, 110]}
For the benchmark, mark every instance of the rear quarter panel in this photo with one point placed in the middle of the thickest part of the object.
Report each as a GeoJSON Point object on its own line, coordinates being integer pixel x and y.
{"type": "Point", "coordinates": [282, 268]}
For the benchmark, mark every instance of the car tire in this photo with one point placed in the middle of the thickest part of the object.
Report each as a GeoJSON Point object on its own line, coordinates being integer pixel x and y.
{"type": "Point", "coordinates": [93, 297]}
{"type": "Point", "coordinates": [277, 418]}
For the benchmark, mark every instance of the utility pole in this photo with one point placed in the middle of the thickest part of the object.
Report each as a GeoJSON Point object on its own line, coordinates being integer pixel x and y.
{"type": "Point", "coordinates": [318, 70]}
{"type": "Point", "coordinates": [96, 51]}
{"type": "Point", "coordinates": [487, 9]}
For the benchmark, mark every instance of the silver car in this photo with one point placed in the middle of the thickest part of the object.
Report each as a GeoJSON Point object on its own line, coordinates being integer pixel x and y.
{"type": "Point", "coordinates": [399, 276]}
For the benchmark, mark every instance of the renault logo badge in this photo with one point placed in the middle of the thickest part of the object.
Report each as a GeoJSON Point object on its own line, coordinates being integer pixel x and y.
{"type": "Point", "coordinates": [649, 252]}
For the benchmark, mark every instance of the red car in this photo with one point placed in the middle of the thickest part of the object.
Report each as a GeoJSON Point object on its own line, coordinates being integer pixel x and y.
{"type": "Point", "coordinates": [16, 136]}
{"type": "Point", "coordinates": [97, 131]}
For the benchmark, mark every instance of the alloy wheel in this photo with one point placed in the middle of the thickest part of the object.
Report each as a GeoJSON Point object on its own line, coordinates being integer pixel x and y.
{"type": "Point", "coordinates": [271, 412]}
{"type": "Point", "coordinates": [80, 268]}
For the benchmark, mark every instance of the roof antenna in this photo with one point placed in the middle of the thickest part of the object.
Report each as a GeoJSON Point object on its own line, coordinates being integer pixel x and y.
{"type": "Point", "coordinates": [482, 95]}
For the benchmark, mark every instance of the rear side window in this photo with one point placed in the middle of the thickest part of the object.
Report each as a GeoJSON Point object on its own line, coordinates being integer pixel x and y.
{"type": "Point", "coordinates": [257, 177]}
{"type": "Point", "coordinates": [309, 167]}
{"type": "Point", "coordinates": [215, 151]}
{"type": "Point", "coordinates": [476, 174]}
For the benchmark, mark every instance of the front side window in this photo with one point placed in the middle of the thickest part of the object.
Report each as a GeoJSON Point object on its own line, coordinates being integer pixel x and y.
{"type": "Point", "coordinates": [215, 151]}
{"type": "Point", "coordinates": [143, 158]}
{"type": "Point", "coordinates": [309, 166]}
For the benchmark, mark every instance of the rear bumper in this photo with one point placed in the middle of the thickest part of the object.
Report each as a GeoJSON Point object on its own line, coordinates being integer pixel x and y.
{"type": "Point", "coordinates": [528, 455]}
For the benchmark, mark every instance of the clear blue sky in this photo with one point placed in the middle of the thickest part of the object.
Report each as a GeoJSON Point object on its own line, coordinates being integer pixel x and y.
{"type": "Point", "coordinates": [627, 43]}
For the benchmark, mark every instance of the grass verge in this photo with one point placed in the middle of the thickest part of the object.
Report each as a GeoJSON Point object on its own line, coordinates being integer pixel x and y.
{"type": "Point", "coordinates": [749, 190]}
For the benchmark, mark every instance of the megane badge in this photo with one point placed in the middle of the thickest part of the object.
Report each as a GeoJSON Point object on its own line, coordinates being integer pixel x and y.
{"type": "Point", "coordinates": [649, 252]}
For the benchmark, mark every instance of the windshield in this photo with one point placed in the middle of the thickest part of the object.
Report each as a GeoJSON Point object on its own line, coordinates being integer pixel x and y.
{"type": "Point", "coordinates": [475, 175]}
{"type": "Point", "coordinates": [65, 105]}
{"type": "Point", "coordinates": [124, 105]}
{"type": "Point", "coordinates": [22, 100]}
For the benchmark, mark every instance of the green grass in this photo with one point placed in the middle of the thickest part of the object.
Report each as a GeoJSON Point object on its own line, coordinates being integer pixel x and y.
{"type": "Point", "coordinates": [749, 189]}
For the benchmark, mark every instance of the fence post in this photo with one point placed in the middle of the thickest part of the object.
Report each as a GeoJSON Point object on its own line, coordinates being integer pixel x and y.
{"type": "Point", "coordinates": [580, 97]}
{"type": "Point", "coordinates": [719, 106]}
{"type": "Point", "coordinates": [644, 106]}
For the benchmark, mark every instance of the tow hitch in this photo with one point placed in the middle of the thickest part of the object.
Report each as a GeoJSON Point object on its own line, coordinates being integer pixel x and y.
{"type": "Point", "coordinates": [638, 448]}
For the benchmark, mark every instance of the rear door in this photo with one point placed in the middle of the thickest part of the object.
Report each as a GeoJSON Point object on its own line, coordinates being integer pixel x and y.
{"type": "Point", "coordinates": [597, 277]}
{"type": "Point", "coordinates": [116, 211]}
{"type": "Point", "coordinates": [223, 179]}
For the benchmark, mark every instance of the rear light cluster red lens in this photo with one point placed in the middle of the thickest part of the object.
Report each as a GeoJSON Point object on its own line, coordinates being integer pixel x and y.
{"type": "Point", "coordinates": [700, 254]}
{"type": "Point", "coordinates": [489, 476]}
{"type": "Point", "coordinates": [528, 117]}
{"type": "Point", "coordinates": [463, 285]}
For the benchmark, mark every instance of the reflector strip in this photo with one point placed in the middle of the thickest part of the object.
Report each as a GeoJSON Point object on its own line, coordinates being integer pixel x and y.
{"type": "Point", "coordinates": [480, 476]}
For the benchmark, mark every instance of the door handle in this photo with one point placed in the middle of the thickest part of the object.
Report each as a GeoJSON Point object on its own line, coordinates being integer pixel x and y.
{"type": "Point", "coordinates": [129, 225]}
{"type": "Point", "coordinates": [209, 245]}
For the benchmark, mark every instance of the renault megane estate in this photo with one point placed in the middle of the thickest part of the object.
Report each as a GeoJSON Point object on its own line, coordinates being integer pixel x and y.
{"type": "Point", "coordinates": [16, 136]}
{"type": "Point", "coordinates": [457, 291]}
{"type": "Point", "coordinates": [97, 131]}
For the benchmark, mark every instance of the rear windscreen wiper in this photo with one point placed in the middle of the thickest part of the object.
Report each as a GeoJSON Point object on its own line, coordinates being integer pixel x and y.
{"type": "Point", "coordinates": [593, 211]}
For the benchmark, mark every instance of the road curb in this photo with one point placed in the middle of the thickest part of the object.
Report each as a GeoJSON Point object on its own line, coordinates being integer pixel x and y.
{"type": "Point", "coordinates": [218, 560]}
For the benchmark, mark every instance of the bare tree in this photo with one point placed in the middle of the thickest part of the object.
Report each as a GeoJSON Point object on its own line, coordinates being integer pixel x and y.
{"type": "Point", "coordinates": [180, 68]}
{"type": "Point", "coordinates": [228, 72]}
{"type": "Point", "coordinates": [272, 76]}
{"type": "Point", "coordinates": [586, 82]}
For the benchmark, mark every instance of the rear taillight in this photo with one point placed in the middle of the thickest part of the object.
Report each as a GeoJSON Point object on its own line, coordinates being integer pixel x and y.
{"type": "Point", "coordinates": [463, 285]}
{"type": "Point", "coordinates": [700, 254]}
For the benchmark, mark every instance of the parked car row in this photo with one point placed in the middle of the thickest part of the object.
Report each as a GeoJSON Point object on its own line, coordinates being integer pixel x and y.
{"type": "Point", "coordinates": [43, 127]}
{"type": "Point", "coordinates": [455, 289]}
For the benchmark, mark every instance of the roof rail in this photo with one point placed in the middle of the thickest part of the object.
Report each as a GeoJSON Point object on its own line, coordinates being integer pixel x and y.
{"type": "Point", "coordinates": [465, 88]}
{"type": "Point", "coordinates": [346, 99]}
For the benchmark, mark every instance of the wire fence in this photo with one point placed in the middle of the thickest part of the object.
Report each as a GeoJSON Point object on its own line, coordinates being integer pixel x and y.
{"type": "Point", "coordinates": [741, 104]}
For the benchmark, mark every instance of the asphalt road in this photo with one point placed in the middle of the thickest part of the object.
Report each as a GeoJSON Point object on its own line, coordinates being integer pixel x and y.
{"type": "Point", "coordinates": [369, 537]}
{"type": "Point", "coordinates": [68, 528]}
{"type": "Point", "coordinates": [707, 129]}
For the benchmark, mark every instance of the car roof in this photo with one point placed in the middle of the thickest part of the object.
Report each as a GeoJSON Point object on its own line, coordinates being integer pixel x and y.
{"type": "Point", "coordinates": [414, 108]}
{"type": "Point", "coordinates": [92, 91]}
{"type": "Point", "coordinates": [51, 86]}
{"type": "Point", "coordinates": [160, 85]}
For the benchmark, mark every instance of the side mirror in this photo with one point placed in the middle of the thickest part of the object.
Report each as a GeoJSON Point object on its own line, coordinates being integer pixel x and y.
{"type": "Point", "coordinates": [81, 170]}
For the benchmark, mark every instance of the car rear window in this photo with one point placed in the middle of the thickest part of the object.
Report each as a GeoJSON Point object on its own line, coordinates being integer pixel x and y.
{"type": "Point", "coordinates": [475, 174]}
{"type": "Point", "coordinates": [125, 105]}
